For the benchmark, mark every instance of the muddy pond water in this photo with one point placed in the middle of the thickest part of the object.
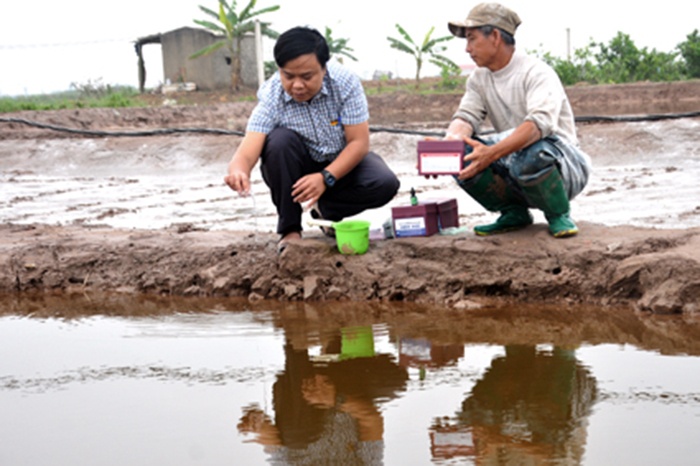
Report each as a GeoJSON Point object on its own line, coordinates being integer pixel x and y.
{"type": "Point", "coordinates": [118, 380]}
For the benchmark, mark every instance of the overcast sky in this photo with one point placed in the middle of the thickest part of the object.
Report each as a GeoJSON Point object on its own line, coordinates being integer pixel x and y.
{"type": "Point", "coordinates": [47, 45]}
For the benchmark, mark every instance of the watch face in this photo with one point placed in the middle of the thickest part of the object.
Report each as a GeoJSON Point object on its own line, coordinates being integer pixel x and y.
{"type": "Point", "coordinates": [328, 178]}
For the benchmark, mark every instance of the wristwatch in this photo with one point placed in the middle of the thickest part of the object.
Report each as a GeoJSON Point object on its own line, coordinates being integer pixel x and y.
{"type": "Point", "coordinates": [328, 178]}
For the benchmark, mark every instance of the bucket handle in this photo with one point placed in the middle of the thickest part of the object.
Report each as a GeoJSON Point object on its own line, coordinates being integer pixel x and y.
{"type": "Point", "coordinates": [317, 222]}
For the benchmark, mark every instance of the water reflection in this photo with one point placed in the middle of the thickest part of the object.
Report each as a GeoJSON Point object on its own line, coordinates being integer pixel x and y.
{"type": "Point", "coordinates": [530, 407]}
{"type": "Point", "coordinates": [423, 354]}
{"type": "Point", "coordinates": [232, 382]}
{"type": "Point", "coordinates": [326, 406]}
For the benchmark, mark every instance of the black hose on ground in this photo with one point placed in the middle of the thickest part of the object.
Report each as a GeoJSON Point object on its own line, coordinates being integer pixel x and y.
{"type": "Point", "coordinates": [373, 129]}
{"type": "Point", "coordinates": [90, 132]}
{"type": "Point", "coordinates": [633, 118]}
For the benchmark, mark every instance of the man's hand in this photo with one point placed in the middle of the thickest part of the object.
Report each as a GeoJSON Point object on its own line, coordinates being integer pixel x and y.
{"type": "Point", "coordinates": [239, 181]}
{"type": "Point", "coordinates": [243, 161]}
{"type": "Point", "coordinates": [479, 159]}
{"type": "Point", "coordinates": [308, 189]}
{"type": "Point", "coordinates": [449, 136]}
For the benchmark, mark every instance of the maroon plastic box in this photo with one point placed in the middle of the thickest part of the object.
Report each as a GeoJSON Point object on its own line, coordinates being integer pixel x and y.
{"type": "Point", "coordinates": [415, 220]}
{"type": "Point", "coordinates": [447, 211]}
{"type": "Point", "coordinates": [440, 157]}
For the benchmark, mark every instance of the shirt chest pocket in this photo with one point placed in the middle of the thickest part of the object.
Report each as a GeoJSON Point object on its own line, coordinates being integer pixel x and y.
{"type": "Point", "coordinates": [333, 130]}
{"type": "Point", "coordinates": [329, 128]}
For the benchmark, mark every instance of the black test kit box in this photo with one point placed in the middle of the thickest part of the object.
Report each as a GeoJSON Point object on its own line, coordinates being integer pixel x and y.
{"type": "Point", "coordinates": [440, 157]}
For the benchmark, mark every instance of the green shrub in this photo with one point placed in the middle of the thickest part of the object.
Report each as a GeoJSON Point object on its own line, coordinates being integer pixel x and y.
{"type": "Point", "coordinates": [621, 61]}
{"type": "Point", "coordinates": [451, 77]}
{"type": "Point", "coordinates": [690, 51]}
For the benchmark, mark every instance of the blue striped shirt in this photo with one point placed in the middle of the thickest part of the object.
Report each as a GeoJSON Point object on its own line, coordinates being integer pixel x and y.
{"type": "Point", "coordinates": [341, 101]}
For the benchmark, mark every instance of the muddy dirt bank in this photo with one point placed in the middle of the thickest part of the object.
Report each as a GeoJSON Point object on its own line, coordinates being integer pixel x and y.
{"type": "Point", "coordinates": [651, 270]}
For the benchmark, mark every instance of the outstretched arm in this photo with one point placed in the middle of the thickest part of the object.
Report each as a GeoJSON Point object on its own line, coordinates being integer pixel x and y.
{"type": "Point", "coordinates": [459, 129]}
{"type": "Point", "coordinates": [243, 161]}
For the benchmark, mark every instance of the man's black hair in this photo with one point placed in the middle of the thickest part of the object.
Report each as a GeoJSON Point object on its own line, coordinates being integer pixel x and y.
{"type": "Point", "coordinates": [300, 41]}
{"type": "Point", "coordinates": [507, 37]}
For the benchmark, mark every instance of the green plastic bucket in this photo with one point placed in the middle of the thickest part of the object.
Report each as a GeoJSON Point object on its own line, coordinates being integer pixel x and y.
{"type": "Point", "coordinates": [357, 342]}
{"type": "Point", "coordinates": [352, 236]}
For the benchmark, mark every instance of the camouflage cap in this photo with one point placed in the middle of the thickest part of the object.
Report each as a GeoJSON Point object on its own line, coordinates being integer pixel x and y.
{"type": "Point", "coordinates": [487, 14]}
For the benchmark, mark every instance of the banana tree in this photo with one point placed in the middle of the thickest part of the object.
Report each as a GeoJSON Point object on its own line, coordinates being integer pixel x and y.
{"type": "Point", "coordinates": [233, 26]}
{"type": "Point", "coordinates": [429, 48]}
{"type": "Point", "coordinates": [338, 47]}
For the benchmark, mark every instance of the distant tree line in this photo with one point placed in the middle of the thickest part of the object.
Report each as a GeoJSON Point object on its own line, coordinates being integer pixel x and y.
{"type": "Point", "coordinates": [621, 61]}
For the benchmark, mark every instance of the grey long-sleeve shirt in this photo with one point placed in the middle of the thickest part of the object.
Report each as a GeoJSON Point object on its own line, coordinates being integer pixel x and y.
{"type": "Point", "coordinates": [527, 89]}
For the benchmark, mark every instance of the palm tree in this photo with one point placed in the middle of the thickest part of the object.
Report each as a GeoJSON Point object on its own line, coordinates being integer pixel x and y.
{"type": "Point", "coordinates": [429, 48]}
{"type": "Point", "coordinates": [233, 26]}
{"type": "Point", "coordinates": [338, 46]}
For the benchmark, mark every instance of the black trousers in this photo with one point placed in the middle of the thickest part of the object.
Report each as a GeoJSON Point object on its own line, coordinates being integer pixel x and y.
{"type": "Point", "coordinates": [285, 159]}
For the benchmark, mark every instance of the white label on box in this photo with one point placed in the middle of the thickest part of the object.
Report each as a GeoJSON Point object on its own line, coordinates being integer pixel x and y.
{"type": "Point", "coordinates": [411, 226]}
{"type": "Point", "coordinates": [430, 163]}
{"type": "Point", "coordinates": [463, 439]}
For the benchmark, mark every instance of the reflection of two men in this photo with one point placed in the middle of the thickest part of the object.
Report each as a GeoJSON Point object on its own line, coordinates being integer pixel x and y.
{"type": "Point", "coordinates": [325, 407]}
{"type": "Point", "coordinates": [530, 407]}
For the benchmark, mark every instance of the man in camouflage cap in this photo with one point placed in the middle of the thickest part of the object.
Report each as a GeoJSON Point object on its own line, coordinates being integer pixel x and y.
{"type": "Point", "coordinates": [534, 159]}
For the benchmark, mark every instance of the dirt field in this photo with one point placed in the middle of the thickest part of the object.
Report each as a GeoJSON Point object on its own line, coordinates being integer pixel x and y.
{"type": "Point", "coordinates": [149, 214]}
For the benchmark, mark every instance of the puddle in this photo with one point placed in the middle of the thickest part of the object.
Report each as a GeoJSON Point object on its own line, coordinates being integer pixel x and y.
{"type": "Point", "coordinates": [136, 380]}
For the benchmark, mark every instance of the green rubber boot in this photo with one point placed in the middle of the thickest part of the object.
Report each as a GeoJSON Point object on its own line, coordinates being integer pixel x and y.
{"type": "Point", "coordinates": [512, 218]}
{"type": "Point", "coordinates": [549, 195]}
{"type": "Point", "coordinates": [494, 194]}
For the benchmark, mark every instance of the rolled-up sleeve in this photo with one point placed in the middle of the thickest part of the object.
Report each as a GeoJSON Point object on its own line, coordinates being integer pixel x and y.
{"type": "Point", "coordinates": [545, 99]}
{"type": "Point", "coordinates": [472, 107]}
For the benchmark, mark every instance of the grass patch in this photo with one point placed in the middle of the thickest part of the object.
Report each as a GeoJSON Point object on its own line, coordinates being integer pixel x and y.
{"type": "Point", "coordinates": [426, 86]}
{"type": "Point", "coordinates": [109, 97]}
{"type": "Point", "coordinates": [97, 95]}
